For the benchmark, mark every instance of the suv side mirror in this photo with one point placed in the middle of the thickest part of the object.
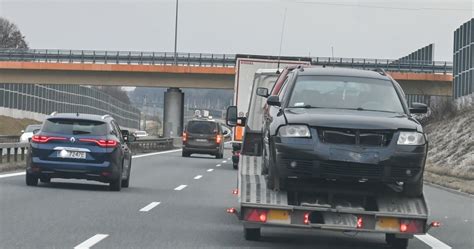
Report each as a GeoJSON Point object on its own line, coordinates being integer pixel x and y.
{"type": "Point", "coordinates": [418, 108]}
{"type": "Point", "coordinates": [36, 131]}
{"type": "Point", "coordinates": [273, 101]}
{"type": "Point", "coordinates": [126, 135]}
{"type": "Point", "coordinates": [231, 116]}
{"type": "Point", "coordinates": [262, 92]}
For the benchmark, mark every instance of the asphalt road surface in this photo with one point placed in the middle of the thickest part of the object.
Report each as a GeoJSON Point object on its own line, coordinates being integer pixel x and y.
{"type": "Point", "coordinates": [176, 202]}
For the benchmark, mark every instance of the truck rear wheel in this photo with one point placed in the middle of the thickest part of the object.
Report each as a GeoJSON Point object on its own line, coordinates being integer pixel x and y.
{"type": "Point", "coordinates": [252, 234]}
{"type": "Point", "coordinates": [396, 243]}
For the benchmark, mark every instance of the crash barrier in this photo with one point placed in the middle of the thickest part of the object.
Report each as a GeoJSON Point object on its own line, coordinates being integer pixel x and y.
{"type": "Point", "coordinates": [13, 152]}
{"type": "Point", "coordinates": [9, 139]}
{"type": "Point", "coordinates": [149, 145]}
{"type": "Point", "coordinates": [48, 98]}
{"type": "Point", "coordinates": [209, 60]}
{"type": "Point", "coordinates": [429, 100]}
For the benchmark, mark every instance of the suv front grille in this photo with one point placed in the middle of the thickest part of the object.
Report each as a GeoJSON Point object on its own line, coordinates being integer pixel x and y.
{"type": "Point", "coordinates": [355, 136]}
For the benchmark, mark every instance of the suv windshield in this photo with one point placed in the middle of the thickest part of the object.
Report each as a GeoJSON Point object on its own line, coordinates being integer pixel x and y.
{"type": "Point", "coordinates": [75, 127]}
{"type": "Point", "coordinates": [202, 127]}
{"type": "Point", "coordinates": [345, 93]}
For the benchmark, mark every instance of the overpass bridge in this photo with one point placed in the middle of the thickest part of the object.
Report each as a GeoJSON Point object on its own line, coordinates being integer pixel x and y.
{"type": "Point", "coordinates": [192, 70]}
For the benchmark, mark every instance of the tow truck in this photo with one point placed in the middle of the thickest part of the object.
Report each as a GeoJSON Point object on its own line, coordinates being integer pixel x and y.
{"type": "Point", "coordinates": [363, 207]}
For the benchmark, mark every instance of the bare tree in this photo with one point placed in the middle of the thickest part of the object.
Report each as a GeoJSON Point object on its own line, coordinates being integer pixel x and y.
{"type": "Point", "coordinates": [11, 36]}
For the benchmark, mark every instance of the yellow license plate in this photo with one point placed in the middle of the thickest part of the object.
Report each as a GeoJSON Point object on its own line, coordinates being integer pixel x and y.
{"type": "Point", "coordinates": [388, 223]}
{"type": "Point", "coordinates": [280, 216]}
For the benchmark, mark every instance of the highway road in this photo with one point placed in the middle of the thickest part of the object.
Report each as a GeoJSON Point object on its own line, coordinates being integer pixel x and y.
{"type": "Point", "coordinates": [176, 202]}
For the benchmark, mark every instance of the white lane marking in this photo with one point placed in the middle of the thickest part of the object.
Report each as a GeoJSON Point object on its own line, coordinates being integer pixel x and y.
{"type": "Point", "coordinates": [12, 174]}
{"type": "Point", "coordinates": [197, 177]}
{"type": "Point", "coordinates": [180, 187]}
{"type": "Point", "coordinates": [210, 170]}
{"type": "Point", "coordinates": [156, 153]}
{"type": "Point", "coordinates": [150, 206]}
{"type": "Point", "coordinates": [224, 161]}
{"type": "Point", "coordinates": [432, 241]}
{"type": "Point", "coordinates": [91, 241]}
{"type": "Point", "coordinates": [218, 165]}
{"type": "Point", "coordinates": [229, 158]}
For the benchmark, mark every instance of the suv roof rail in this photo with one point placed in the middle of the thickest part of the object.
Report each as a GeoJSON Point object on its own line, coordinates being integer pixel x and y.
{"type": "Point", "coordinates": [106, 116]}
{"type": "Point", "coordinates": [380, 71]}
{"type": "Point", "coordinates": [53, 113]}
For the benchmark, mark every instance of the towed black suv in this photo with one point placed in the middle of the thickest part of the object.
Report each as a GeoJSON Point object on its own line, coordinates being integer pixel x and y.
{"type": "Point", "coordinates": [343, 125]}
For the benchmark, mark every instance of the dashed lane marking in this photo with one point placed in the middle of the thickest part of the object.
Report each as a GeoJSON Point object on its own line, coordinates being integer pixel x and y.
{"type": "Point", "coordinates": [91, 241]}
{"type": "Point", "coordinates": [150, 206]}
{"type": "Point", "coordinates": [180, 187]}
{"type": "Point", "coordinates": [432, 241]}
{"type": "Point", "coordinates": [197, 177]}
{"type": "Point", "coordinates": [210, 170]}
{"type": "Point", "coordinates": [224, 161]}
{"type": "Point", "coordinates": [218, 165]}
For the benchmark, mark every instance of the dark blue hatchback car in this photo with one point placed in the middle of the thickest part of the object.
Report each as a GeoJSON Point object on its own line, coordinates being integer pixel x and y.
{"type": "Point", "coordinates": [80, 146]}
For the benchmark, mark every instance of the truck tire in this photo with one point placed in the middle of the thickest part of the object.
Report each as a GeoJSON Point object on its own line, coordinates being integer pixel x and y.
{"type": "Point", "coordinates": [252, 234]}
{"type": "Point", "coordinates": [116, 184]}
{"type": "Point", "coordinates": [185, 154]}
{"type": "Point", "coordinates": [31, 180]}
{"type": "Point", "coordinates": [396, 243]}
{"type": "Point", "coordinates": [414, 189]}
{"type": "Point", "coordinates": [45, 179]}
{"type": "Point", "coordinates": [270, 179]}
{"type": "Point", "coordinates": [126, 182]}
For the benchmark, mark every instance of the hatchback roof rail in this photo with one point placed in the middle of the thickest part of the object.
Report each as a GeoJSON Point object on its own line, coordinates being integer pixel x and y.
{"type": "Point", "coordinates": [106, 116]}
{"type": "Point", "coordinates": [380, 71]}
{"type": "Point", "coordinates": [53, 113]}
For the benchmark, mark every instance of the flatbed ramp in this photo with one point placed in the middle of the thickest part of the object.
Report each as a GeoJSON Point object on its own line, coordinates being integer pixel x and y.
{"type": "Point", "coordinates": [253, 192]}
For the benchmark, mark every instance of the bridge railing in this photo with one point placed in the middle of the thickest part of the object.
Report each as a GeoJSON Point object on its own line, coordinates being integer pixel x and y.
{"type": "Point", "coordinates": [206, 60]}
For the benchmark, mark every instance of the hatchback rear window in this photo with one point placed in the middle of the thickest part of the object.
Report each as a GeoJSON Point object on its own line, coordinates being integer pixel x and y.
{"type": "Point", "coordinates": [75, 127]}
{"type": "Point", "coordinates": [202, 127]}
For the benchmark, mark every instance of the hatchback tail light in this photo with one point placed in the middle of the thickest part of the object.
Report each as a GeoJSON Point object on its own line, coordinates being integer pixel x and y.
{"type": "Point", "coordinates": [45, 139]}
{"type": "Point", "coordinates": [100, 142]}
{"type": "Point", "coordinates": [218, 139]}
{"type": "Point", "coordinates": [185, 136]}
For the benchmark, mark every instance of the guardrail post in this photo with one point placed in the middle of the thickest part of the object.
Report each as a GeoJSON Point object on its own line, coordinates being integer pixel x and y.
{"type": "Point", "coordinates": [106, 57]}
{"type": "Point", "coordinates": [200, 59]}
{"type": "Point", "coordinates": [22, 153]}
{"type": "Point", "coordinates": [1, 155]}
{"type": "Point", "coordinates": [212, 60]}
{"type": "Point", "coordinates": [93, 57]}
{"type": "Point", "coordinates": [15, 154]}
{"type": "Point", "coordinates": [189, 57]}
{"type": "Point", "coordinates": [9, 150]}
{"type": "Point", "coordinates": [164, 62]}
{"type": "Point", "coordinates": [153, 59]}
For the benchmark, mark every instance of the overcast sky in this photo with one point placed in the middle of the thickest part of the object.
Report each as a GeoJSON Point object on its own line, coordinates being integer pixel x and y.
{"type": "Point", "coordinates": [363, 29]}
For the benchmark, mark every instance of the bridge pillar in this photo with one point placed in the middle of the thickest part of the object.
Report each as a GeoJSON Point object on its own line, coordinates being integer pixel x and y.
{"type": "Point", "coordinates": [173, 112]}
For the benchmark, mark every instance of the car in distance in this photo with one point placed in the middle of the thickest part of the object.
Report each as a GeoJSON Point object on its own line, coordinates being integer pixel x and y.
{"type": "Point", "coordinates": [203, 136]}
{"type": "Point", "coordinates": [140, 134]}
{"type": "Point", "coordinates": [28, 133]}
{"type": "Point", "coordinates": [343, 125]}
{"type": "Point", "coordinates": [80, 146]}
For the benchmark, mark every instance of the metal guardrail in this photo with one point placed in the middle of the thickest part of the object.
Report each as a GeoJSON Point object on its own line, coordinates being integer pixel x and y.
{"type": "Point", "coordinates": [9, 139]}
{"type": "Point", "coordinates": [18, 149]}
{"type": "Point", "coordinates": [205, 60]}
{"type": "Point", "coordinates": [148, 145]}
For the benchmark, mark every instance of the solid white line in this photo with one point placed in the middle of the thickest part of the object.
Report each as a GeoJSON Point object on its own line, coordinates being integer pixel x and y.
{"type": "Point", "coordinates": [432, 241]}
{"type": "Point", "coordinates": [210, 170]}
{"type": "Point", "coordinates": [91, 241]}
{"type": "Point", "coordinates": [224, 161]}
{"type": "Point", "coordinates": [218, 165]}
{"type": "Point", "coordinates": [150, 206]}
{"type": "Point", "coordinates": [156, 153]}
{"type": "Point", "coordinates": [180, 187]}
{"type": "Point", "coordinates": [12, 174]}
{"type": "Point", "coordinates": [197, 177]}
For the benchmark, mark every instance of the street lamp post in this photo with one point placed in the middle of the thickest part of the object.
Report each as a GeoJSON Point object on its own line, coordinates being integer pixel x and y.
{"type": "Point", "coordinates": [176, 36]}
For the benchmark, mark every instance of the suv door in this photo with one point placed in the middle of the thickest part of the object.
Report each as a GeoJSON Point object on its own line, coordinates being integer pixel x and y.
{"type": "Point", "coordinates": [123, 147]}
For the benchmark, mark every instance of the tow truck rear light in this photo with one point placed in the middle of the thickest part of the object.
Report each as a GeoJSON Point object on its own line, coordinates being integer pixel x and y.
{"type": "Point", "coordinates": [218, 139]}
{"type": "Point", "coordinates": [45, 139]}
{"type": "Point", "coordinates": [235, 191]}
{"type": "Point", "coordinates": [100, 142]}
{"type": "Point", "coordinates": [257, 215]}
{"type": "Point", "coordinates": [185, 136]}
{"type": "Point", "coordinates": [435, 224]}
{"type": "Point", "coordinates": [411, 226]}
{"type": "Point", "coordinates": [360, 222]}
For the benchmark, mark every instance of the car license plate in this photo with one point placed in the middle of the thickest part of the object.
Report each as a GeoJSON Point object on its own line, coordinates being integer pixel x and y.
{"type": "Point", "coordinates": [201, 140]}
{"type": "Point", "coordinates": [388, 224]}
{"type": "Point", "coordinates": [278, 216]}
{"type": "Point", "coordinates": [72, 154]}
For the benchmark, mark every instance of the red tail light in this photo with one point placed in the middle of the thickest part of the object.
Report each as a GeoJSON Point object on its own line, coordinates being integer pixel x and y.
{"type": "Point", "coordinates": [45, 139]}
{"type": "Point", "coordinates": [100, 142]}
{"type": "Point", "coordinates": [306, 219]}
{"type": "Point", "coordinates": [218, 139]}
{"type": "Point", "coordinates": [411, 226]}
{"type": "Point", "coordinates": [185, 136]}
{"type": "Point", "coordinates": [360, 222]}
{"type": "Point", "coordinates": [257, 215]}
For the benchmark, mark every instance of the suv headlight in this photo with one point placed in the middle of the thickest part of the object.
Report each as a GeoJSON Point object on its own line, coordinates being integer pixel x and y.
{"type": "Point", "coordinates": [411, 138]}
{"type": "Point", "coordinates": [294, 131]}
